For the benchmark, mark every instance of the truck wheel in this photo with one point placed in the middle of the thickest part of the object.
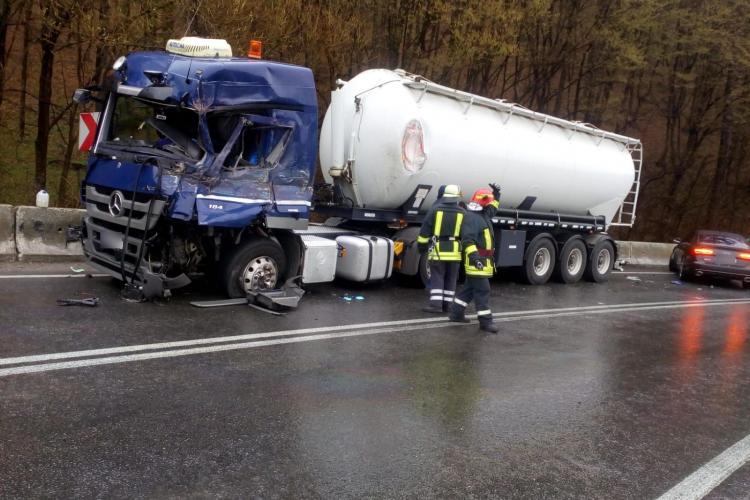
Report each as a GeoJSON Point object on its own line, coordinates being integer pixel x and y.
{"type": "Point", "coordinates": [600, 262]}
{"type": "Point", "coordinates": [539, 262]}
{"type": "Point", "coordinates": [572, 263]}
{"type": "Point", "coordinates": [254, 265]}
{"type": "Point", "coordinates": [424, 270]}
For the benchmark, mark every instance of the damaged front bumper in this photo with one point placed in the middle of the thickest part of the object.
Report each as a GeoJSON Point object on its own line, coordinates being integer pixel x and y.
{"type": "Point", "coordinates": [109, 251]}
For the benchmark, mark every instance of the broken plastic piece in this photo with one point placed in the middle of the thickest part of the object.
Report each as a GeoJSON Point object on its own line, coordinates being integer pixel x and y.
{"type": "Point", "coordinates": [359, 297]}
{"type": "Point", "coordinates": [89, 302]}
{"type": "Point", "coordinates": [634, 278]}
{"type": "Point", "coordinates": [676, 282]}
{"type": "Point", "coordinates": [77, 269]}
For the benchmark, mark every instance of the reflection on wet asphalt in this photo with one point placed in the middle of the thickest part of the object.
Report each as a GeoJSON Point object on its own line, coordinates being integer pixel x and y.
{"type": "Point", "coordinates": [621, 404]}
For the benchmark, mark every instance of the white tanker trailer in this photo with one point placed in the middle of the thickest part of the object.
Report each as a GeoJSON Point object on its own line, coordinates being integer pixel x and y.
{"type": "Point", "coordinates": [390, 139]}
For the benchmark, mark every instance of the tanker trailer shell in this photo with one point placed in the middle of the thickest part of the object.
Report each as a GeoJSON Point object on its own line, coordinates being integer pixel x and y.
{"type": "Point", "coordinates": [383, 135]}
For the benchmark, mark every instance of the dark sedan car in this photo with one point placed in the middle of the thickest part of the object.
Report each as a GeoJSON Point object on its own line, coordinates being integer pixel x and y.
{"type": "Point", "coordinates": [713, 254]}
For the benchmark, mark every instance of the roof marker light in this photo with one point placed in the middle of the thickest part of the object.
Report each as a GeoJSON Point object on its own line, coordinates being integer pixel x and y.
{"type": "Point", "coordinates": [254, 49]}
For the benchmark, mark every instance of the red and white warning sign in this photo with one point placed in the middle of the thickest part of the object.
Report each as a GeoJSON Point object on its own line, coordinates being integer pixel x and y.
{"type": "Point", "coordinates": [87, 130]}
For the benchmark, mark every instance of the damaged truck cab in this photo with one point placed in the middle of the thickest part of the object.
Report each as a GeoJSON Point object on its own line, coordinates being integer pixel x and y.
{"type": "Point", "coordinates": [199, 163]}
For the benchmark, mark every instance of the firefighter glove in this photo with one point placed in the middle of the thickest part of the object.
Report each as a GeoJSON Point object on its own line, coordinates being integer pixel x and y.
{"type": "Point", "coordinates": [477, 262]}
{"type": "Point", "coordinates": [495, 190]}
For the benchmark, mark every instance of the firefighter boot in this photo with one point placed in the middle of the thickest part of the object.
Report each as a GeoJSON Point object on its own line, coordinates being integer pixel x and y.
{"type": "Point", "coordinates": [458, 314]}
{"type": "Point", "coordinates": [487, 325]}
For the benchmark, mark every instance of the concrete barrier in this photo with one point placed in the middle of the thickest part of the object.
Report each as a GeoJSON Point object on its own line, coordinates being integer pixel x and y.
{"type": "Point", "coordinates": [41, 233]}
{"type": "Point", "coordinates": [7, 234]}
{"type": "Point", "coordinates": [643, 253]}
{"type": "Point", "coordinates": [38, 234]}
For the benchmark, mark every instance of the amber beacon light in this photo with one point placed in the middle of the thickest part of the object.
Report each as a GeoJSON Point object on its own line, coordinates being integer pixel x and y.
{"type": "Point", "coordinates": [254, 49]}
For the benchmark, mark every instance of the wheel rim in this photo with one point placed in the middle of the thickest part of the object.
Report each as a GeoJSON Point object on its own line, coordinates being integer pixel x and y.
{"type": "Point", "coordinates": [575, 261]}
{"type": "Point", "coordinates": [603, 261]}
{"type": "Point", "coordinates": [542, 260]}
{"type": "Point", "coordinates": [261, 273]}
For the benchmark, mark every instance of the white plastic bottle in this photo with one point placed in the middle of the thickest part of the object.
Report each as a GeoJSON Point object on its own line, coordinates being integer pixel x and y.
{"type": "Point", "coordinates": [42, 199]}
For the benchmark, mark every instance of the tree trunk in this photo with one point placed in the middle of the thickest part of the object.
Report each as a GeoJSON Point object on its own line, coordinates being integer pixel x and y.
{"type": "Point", "coordinates": [52, 22]}
{"type": "Point", "coordinates": [24, 70]}
{"type": "Point", "coordinates": [4, 18]}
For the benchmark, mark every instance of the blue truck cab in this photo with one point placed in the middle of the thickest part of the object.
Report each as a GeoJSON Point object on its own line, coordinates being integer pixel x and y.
{"type": "Point", "coordinates": [199, 163]}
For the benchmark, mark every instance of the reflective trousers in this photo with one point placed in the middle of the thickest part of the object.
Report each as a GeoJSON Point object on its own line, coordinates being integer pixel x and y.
{"type": "Point", "coordinates": [478, 290]}
{"type": "Point", "coordinates": [443, 277]}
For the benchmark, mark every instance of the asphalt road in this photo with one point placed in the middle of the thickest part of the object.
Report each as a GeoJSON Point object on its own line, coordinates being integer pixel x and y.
{"type": "Point", "coordinates": [619, 390]}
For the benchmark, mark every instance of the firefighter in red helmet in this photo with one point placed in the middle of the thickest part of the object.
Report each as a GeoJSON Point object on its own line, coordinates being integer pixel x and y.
{"type": "Point", "coordinates": [477, 239]}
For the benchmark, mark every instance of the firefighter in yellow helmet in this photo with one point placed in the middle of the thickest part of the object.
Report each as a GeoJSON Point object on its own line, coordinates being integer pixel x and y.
{"type": "Point", "coordinates": [477, 238]}
{"type": "Point", "coordinates": [439, 236]}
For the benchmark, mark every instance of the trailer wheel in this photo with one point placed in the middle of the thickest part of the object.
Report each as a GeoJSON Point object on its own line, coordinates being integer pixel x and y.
{"type": "Point", "coordinates": [600, 262]}
{"type": "Point", "coordinates": [254, 265]}
{"type": "Point", "coordinates": [572, 263]}
{"type": "Point", "coordinates": [539, 262]}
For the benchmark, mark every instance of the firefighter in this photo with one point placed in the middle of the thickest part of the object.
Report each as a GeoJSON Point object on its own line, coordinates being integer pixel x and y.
{"type": "Point", "coordinates": [477, 238]}
{"type": "Point", "coordinates": [439, 237]}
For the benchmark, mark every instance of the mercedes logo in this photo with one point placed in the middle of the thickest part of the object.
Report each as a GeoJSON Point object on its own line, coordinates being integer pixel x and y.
{"type": "Point", "coordinates": [115, 204]}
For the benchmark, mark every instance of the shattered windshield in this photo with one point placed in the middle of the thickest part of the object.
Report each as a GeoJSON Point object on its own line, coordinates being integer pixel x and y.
{"type": "Point", "coordinates": [140, 124]}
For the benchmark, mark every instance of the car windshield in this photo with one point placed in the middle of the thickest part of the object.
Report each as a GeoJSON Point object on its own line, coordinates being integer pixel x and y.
{"type": "Point", "coordinates": [727, 240]}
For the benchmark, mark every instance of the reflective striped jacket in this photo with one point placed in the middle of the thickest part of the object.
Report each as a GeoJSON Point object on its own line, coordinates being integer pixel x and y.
{"type": "Point", "coordinates": [478, 240]}
{"type": "Point", "coordinates": [441, 230]}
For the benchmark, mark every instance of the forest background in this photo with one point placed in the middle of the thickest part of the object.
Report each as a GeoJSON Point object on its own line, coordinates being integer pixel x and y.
{"type": "Point", "coordinates": [674, 73]}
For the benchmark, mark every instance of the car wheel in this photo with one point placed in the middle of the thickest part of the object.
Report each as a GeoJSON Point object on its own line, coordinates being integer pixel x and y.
{"type": "Point", "coordinates": [254, 265]}
{"type": "Point", "coordinates": [683, 271]}
{"type": "Point", "coordinates": [673, 262]}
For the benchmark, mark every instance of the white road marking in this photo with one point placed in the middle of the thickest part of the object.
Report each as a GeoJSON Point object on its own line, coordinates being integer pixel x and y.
{"type": "Point", "coordinates": [701, 482]}
{"type": "Point", "coordinates": [643, 272]}
{"type": "Point", "coordinates": [322, 329]}
{"type": "Point", "coordinates": [420, 325]}
{"type": "Point", "coordinates": [23, 276]}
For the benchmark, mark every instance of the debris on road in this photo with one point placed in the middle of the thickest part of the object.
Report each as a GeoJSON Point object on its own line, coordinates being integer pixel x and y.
{"type": "Point", "coordinates": [634, 278]}
{"type": "Point", "coordinates": [77, 270]}
{"type": "Point", "coordinates": [677, 282]}
{"type": "Point", "coordinates": [89, 302]}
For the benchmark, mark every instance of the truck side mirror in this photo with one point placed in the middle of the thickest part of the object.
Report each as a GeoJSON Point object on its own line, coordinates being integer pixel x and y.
{"type": "Point", "coordinates": [81, 96]}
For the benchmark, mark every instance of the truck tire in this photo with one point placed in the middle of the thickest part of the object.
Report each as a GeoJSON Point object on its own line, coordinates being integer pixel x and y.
{"type": "Point", "coordinates": [255, 264]}
{"type": "Point", "coordinates": [539, 261]}
{"type": "Point", "coordinates": [600, 262]}
{"type": "Point", "coordinates": [424, 270]}
{"type": "Point", "coordinates": [572, 262]}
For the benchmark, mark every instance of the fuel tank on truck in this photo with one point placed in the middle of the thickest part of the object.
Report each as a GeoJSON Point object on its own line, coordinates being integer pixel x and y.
{"type": "Point", "coordinates": [387, 132]}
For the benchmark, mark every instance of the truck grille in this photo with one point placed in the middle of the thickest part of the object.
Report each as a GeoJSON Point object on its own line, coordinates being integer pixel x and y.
{"type": "Point", "coordinates": [105, 230]}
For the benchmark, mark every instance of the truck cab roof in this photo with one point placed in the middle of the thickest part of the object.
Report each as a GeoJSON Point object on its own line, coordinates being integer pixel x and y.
{"type": "Point", "coordinates": [218, 83]}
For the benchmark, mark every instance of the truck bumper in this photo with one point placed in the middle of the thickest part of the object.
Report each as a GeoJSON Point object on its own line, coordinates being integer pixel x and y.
{"type": "Point", "coordinates": [107, 249]}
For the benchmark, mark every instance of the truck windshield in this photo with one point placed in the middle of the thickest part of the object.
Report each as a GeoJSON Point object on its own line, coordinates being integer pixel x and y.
{"type": "Point", "coordinates": [137, 123]}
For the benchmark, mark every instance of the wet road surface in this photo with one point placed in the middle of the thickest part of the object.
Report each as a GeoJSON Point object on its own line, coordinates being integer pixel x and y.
{"type": "Point", "coordinates": [618, 390]}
